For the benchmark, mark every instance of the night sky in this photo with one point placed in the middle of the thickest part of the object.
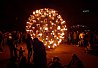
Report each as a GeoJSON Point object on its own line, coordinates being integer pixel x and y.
{"type": "Point", "coordinates": [14, 13]}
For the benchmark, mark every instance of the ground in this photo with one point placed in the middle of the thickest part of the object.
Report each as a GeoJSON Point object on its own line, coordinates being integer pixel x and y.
{"type": "Point", "coordinates": [63, 51]}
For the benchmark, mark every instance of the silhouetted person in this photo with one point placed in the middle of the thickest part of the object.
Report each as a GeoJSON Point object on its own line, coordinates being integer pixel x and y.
{"type": "Point", "coordinates": [75, 62]}
{"type": "Point", "coordinates": [81, 37]}
{"type": "Point", "coordinates": [29, 46]}
{"type": "Point", "coordinates": [69, 38]}
{"type": "Point", "coordinates": [74, 38]}
{"type": "Point", "coordinates": [15, 38]}
{"type": "Point", "coordinates": [92, 38]}
{"type": "Point", "coordinates": [86, 39]}
{"type": "Point", "coordinates": [15, 51]}
{"type": "Point", "coordinates": [55, 63]}
{"type": "Point", "coordinates": [39, 55]}
{"type": "Point", "coordinates": [10, 44]}
{"type": "Point", "coordinates": [20, 53]}
{"type": "Point", "coordinates": [15, 41]}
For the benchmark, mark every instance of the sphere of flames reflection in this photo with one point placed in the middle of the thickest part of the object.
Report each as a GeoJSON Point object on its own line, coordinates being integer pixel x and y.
{"type": "Point", "coordinates": [48, 26]}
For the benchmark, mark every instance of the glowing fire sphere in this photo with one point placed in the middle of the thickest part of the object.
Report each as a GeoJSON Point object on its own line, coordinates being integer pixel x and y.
{"type": "Point", "coordinates": [48, 26]}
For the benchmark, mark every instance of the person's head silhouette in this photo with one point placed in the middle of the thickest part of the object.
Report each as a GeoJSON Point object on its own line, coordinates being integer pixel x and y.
{"type": "Point", "coordinates": [56, 59]}
{"type": "Point", "coordinates": [35, 39]}
{"type": "Point", "coordinates": [74, 56]}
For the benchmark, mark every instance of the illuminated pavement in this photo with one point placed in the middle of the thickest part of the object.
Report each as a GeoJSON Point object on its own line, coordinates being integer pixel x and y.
{"type": "Point", "coordinates": [64, 52]}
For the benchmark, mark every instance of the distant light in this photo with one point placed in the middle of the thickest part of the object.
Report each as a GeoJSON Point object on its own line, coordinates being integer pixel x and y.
{"type": "Point", "coordinates": [85, 11]}
{"type": "Point", "coordinates": [48, 46]}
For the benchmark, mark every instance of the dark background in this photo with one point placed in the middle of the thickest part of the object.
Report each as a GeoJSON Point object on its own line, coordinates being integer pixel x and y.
{"type": "Point", "coordinates": [14, 13]}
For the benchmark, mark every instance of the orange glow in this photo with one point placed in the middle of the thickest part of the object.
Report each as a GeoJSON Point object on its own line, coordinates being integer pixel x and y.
{"type": "Point", "coordinates": [47, 25]}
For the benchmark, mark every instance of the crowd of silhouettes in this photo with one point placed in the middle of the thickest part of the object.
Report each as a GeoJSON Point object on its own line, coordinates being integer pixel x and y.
{"type": "Point", "coordinates": [35, 45]}
{"type": "Point", "coordinates": [87, 39]}
{"type": "Point", "coordinates": [36, 48]}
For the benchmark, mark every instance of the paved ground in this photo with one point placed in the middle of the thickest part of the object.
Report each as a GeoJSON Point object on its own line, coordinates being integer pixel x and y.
{"type": "Point", "coordinates": [64, 52]}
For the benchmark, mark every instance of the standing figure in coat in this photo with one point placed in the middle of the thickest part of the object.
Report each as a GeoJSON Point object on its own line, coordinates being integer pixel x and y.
{"type": "Point", "coordinates": [39, 55]}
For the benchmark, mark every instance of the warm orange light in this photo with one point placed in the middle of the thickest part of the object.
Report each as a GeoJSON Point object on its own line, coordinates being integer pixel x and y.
{"type": "Point", "coordinates": [47, 25]}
